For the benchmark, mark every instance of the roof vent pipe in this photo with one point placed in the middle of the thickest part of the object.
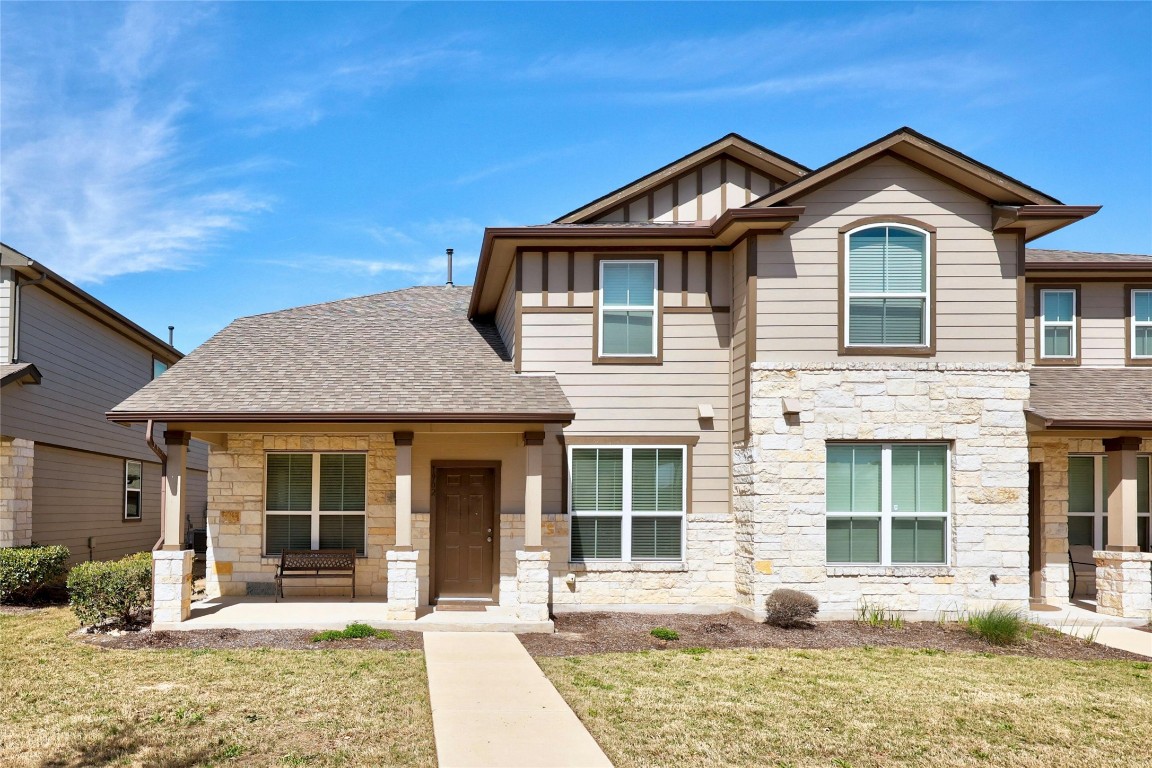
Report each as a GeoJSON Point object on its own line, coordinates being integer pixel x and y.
{"type": "Point", "coordinates": [448, 251]}
{"type": "Point", "coordinates": [171, 334]}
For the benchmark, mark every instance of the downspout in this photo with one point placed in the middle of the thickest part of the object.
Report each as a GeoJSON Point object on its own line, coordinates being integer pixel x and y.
{"type": "Point", "coordinates": [163, 476]}
{"type": "Point", "coordinates": [14, 339]}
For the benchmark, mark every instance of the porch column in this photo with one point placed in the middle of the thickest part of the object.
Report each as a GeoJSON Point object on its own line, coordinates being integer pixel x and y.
{"type": "Point", "coordinates": [403, 489]}
{"type": "Point", "coordinates": [175, 496]}
{"type": "Point", "coordinates": [533, 447]}
{"type": "Point", "coordinates": [1121, 485]}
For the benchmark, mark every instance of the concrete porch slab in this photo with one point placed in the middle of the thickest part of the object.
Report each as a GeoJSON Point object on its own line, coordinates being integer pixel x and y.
{"type": "Point", "coordinates": [263, 612]}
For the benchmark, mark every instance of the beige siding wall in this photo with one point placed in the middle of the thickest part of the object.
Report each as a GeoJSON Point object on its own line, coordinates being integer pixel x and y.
{"type": "Point", "coordinates": [698, 194]}
{"type": "Point", "coordinates": [975, 269]}
{"type": "Point", "coordinates": [506, 315]}
{"type": "Point", "coordinates": [76, 495]}
{"type": "Point", "coordinates": [87, 368]}
{"type": "Point", "coordinates": [1102, 322]}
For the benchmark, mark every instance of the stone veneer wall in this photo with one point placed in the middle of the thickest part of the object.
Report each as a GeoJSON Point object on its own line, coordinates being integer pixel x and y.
{"type": "Point", "coordinates": [235, 561]}
{"type": "Point", "coordinates": [17, 457]}
{"type": "Point", "coordinates": [779, 482]}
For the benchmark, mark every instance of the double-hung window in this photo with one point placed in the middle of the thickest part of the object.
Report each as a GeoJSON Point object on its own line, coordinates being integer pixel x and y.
{"type": "Point", "coordinates": [314, 501]}
{"type": "Point", "coordinates": [1141, 299]}
{"type": "Point", "coordinates": [1088, 501]}
{"type": "Point", "coordinates": [887, 503]}
{"type": "Point", "coordinates": [628, 315]}
{"type": "Point", "coordinates": [1058, 323]}
{"type": "Point", "coordinates": [133, 489]}
{"type": "Point", "coordinates": [887, 287]}
{"type": "Point", "coordinates": [627, 503]}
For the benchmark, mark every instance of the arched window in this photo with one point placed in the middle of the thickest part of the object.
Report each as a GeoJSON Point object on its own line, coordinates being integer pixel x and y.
{"type": "Point", "coordinates": [888, 292]}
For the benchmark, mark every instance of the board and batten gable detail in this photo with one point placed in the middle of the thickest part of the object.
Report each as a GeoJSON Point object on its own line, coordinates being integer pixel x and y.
{"type": "Point", "coordinates": [799, 274]}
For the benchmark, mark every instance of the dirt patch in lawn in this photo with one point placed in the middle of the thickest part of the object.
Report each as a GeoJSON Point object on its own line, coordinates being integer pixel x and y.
{"type": "Point", "coordinates": [235, 639]}
{"type": "Point", "coordinates": [579, 634]}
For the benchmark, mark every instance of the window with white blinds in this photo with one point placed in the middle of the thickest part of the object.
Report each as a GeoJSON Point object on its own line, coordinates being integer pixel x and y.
{"type": "Point", "coordinates": [1141, 323]}
{"type": "Point", "coordinates": [887, 503]}
{"type": "Point", "coordinates": [1088, 501]}
{"type": "Point", "coordinates": [1058, 323]}
{"type": "Point", "coordinates": [628, 308]}
{"type": "Point", "coordinates": [888, 291]}
{"type": "Point", "coordinates": [315, 501]}
{"type": "Point", "coordinates": [627, 503]}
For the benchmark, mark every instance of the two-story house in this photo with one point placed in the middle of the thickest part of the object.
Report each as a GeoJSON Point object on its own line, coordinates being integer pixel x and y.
{"type": "Point", "coordinates": [732, 375]}
{"type": "Point", "coordinates": [68, 476]}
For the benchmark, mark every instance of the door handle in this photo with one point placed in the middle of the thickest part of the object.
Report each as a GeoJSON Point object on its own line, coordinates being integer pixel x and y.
{"type": "Point", "coordinates": [489, 538]}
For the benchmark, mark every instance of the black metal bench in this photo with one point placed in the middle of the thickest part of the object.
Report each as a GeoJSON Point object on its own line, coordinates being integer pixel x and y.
{"type": "Point", "coordinates": [1082, 564]}
{"type": "Point", "coordinates": [316, 563]}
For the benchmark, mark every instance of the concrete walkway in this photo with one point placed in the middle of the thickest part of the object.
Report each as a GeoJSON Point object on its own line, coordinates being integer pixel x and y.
{"type": "Point", "coordinates": [493, 707]}
{"type": "Point", "coordinates": [1080, 619]}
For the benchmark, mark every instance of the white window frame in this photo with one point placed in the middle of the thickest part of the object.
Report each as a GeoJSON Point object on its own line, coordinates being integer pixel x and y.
{"type": "Point", "coordinates": [605, 307]}
{"type": "Point", "coordinates": [315, 511]}
{"type": "Point", "coordinates": [626, 514]}
{"type": "Point", "coordinates": [1070, 324]}
{"type": "Point", "coordinates": [926, 294]}
{"type": "Point", "coordinates": [1138, 323]}
{"type": "Point", "coordinates": [1099, 492]}
{"type": "Point", "coordinates": [887, 514]}
{"type": "Point", "coordinates": [138, 491]}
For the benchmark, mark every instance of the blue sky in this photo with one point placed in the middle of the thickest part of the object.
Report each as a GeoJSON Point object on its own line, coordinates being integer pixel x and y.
{"type": "Point", "coordinates": [191, 163]}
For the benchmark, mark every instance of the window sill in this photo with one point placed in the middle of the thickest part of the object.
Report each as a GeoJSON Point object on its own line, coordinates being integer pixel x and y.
{"type": "Point", "coordinates": [895, 571]}
{"type": "Point", "coordinates": [617, 566]}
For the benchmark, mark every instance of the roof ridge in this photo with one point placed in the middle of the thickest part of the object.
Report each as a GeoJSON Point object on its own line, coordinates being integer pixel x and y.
{"type": "Point", "coordinates": [395, 291]}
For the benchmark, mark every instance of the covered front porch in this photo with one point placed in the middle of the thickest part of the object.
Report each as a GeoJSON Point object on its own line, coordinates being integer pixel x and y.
{"type": "Point", "coordinates": [447, 521]}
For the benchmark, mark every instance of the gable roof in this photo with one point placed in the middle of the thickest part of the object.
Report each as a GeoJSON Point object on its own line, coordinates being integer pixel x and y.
{"type": "Point", "coordinates": [921, 150]}
{"type": "Point", "coordinates": [734, 145]}
{"type": "Point", "coordinates": [407, 355]}
{"type": "Point", "coordinates": [1092, 397]}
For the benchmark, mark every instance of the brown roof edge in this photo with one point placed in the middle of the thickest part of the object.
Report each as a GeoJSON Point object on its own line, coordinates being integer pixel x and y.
{"type": "Point", "coordinates": [800, 170]}
{"type": "Point", "coordinates": [367, 418]}
{"type": "Point", "coordinates": [690, 231]}
{"type": "Point", "coordinates": [1089, 423]}
{"type": "Point", "coordinates": [26, 373]}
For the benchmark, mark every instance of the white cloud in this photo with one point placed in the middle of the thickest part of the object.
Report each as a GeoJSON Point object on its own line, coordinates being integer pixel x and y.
{"type": "Point", "coordinates": [98, 186]}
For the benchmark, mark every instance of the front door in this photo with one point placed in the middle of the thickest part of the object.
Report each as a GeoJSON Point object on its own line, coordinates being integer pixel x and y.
{"type": "Point", "coordinates": [464, 516]}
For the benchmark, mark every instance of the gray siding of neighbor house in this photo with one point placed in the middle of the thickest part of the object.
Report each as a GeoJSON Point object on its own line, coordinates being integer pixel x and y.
{"type": "Point", "coordinates": [78, 473]}
{"type": "Point", "coordinates": [798, 273]}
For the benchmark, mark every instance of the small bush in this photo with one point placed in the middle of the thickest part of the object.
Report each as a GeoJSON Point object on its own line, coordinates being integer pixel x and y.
{"type": "Point", "coordinates": [790, 608]}
{"type": "Point", "coordinates": [113, 591]}
{"type": "Point", "coordinates": [352, 632]}
{"type": "Point", "coordinates": [663, 633]}
{"type": "Point", "coordinates": [998, 625]}
{"type": "Point", "coordinates": [24, 571]}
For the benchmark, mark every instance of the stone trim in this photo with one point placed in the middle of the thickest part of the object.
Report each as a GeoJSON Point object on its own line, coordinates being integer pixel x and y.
{"type": "Point", "coordinates": [17, 467]}
{"type": "Point", "coordinates": [171, 586]}
{"type": "Point", "coordinates": [866, 365]}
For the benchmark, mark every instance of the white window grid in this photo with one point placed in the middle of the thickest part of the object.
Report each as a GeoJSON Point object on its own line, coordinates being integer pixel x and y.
{"type": "Point", "coordinates": [1138, 323]}
{"type": "Point", "coordinates": [926, 294]}
{"type": "Point", "coordinates": [315, 511]}
{"type": "Point", "coordinates": [605, 307]}
{"type": "Point", "coordinates": [1070, 324]}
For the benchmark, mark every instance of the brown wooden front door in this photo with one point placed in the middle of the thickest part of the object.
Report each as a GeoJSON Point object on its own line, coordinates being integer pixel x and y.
{"type": "Point", "coordinates": [464, 516]}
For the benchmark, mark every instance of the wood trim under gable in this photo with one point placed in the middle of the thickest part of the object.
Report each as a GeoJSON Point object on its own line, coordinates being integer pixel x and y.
{"type": "Point", "coordinates": [571, 277]}
{"type": "Point", "coordinates": [1038, 317]}
{"type": "Point", "coordinates": [844, 350]}
{"type": "Point", "coordinates": [750, 322]}
{"type": "Point", "coordinates": [544, 278]}
{"type": "Point", "coordinates": [1129, 313]}
{"type": "Point", "coordinates": [597, 359]}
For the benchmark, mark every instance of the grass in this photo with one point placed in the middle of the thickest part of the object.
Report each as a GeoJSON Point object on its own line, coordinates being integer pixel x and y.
{"type": "Point", "coordinates": [663, 633]}
{"type": "Point", "coordinates": [69, 704]}
{"type": "Point", "coordinates": [352, 632]}
{"type": "Point", "coordinates": [998, 625]}
{"type": "Point", "coordinates": [863, 708]}
{"type": "Point", "coordinates": [878, 616]}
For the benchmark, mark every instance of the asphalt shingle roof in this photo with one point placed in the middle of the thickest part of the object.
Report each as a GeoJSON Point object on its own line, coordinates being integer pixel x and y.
{"type": "Point", "coordinates": [1041, 256]}
{"type": "Point", "coordinates": [1092, 394]}
{"type": "Point", "coordinates": [412, 351]}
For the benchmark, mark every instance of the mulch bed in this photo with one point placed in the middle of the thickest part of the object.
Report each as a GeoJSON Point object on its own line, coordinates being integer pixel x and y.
{"type": "Point", "coordinates": [579, 634]}
{"type": "Point", "coordinates": [235, 639]}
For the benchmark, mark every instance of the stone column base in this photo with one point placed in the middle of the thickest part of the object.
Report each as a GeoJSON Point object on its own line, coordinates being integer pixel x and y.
{"type": "Point", "coordinates": [1124, 584]}
{"type": "Point", "coordinates": [17, 457]}
{"type": "Point", "coordinates": [403, 588]}
{"type": "Point", "coordinates": [171, 586]}
{"type": "Point", "coordinates": [532, 582]}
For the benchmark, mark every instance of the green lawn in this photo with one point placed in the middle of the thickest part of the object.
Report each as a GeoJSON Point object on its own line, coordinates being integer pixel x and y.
{"type": "Point", "coordinates": [64, 703]}
{"type": "Point", "coordinates": [859, 708]}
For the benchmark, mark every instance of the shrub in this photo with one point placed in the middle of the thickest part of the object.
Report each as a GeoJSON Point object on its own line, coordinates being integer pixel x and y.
{"type": "Point", "coordinates": [998, 625]}
{"type": "Point", "coordinates": [24, 571]}
{"type": "Point", "coordinates": [663, 633]}
{"type": "Point", "coordinates": [111, 590]}
{"type": "Point", "coordinates": [352, 632]}
{"type": "Point", "coordinates": [790, 608]}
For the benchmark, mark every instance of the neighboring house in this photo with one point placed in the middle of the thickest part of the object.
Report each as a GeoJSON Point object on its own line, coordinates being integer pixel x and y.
{"type": "Point", "coordinates": [732, 375]}
{"type": "Point", "coordinates": [67, 476]}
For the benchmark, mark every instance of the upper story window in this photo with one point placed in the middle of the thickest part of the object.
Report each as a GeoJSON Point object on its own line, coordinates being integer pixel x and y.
{"type": "Point", "coordinates": [1141, 324]}
{"type": "Point", "coordinates": [627, 309]}
{"type": "Point", "coordinates": [888, 274]}
{"type": "Point", "coordinates": [1058, 324]}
